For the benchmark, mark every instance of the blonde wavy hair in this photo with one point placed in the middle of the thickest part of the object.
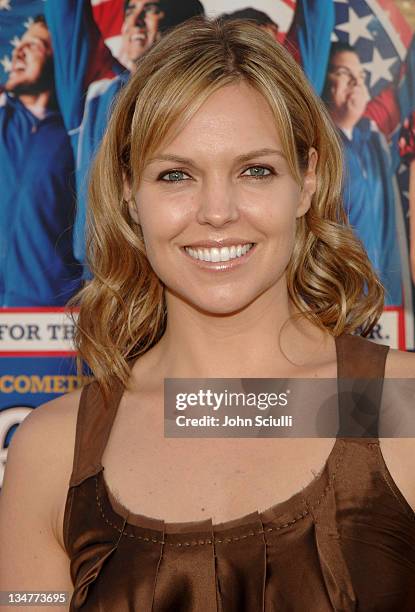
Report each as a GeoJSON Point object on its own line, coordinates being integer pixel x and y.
{"type": "Point", "coordinates": [330, 279]}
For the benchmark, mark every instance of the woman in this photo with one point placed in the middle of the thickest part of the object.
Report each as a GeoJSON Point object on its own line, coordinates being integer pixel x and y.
{"type": "Point", "coordinates": [216, 140]}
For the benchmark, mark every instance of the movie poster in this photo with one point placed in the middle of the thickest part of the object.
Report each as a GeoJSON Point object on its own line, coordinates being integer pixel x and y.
{"type": "Point", "coordinates": [62, 64]}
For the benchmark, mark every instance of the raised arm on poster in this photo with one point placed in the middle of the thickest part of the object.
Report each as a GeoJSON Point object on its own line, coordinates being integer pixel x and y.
{"type": "Point", "coordinates": [407, 153]}
{"type": "Point", "coordinates": [406, 85]}
{"type": "Point", "coordinates": [80, 57]}
{"type": "Point", "coordinates": [309, 38]}
{"type": "Point", "coordinates": [87, 80]}
{"type": "Point", "coordinates": [395, 103]}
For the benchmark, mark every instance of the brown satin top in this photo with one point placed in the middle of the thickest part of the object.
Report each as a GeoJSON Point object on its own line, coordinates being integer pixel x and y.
{"type": "Point", "coordinates": [345, 542]}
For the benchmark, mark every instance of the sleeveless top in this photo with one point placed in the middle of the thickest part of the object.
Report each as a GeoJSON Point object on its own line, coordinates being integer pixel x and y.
{"type": "Point", "coordinates": [345, 542]}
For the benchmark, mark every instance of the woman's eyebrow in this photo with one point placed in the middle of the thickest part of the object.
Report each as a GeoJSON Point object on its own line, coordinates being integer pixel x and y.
{"type": "Point", "coordinates": [240, 158]}
{"type": "Point", "coordinates": [259, 153]}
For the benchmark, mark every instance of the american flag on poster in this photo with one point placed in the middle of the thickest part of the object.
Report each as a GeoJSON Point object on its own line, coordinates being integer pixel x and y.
{"type": "Point", "coordinates": [15, 17]}
{"type": "Point", "coordinates": [380, 34]}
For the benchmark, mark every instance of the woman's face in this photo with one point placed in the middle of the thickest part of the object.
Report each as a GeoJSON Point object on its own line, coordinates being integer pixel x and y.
{"type": "Point", "coordinates": [223, 178]}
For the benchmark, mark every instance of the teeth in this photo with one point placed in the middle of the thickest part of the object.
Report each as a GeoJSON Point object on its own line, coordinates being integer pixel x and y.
{"type": "Point", "coordinates": [223, 254]}
{"type": "Point", "coordinates": [215, 254]}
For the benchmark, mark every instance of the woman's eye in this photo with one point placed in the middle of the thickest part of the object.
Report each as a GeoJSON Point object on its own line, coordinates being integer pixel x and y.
{"type": "Point", "coordinates": [174, 176]}
{"type": "Point", "coordinates": [258, 172]}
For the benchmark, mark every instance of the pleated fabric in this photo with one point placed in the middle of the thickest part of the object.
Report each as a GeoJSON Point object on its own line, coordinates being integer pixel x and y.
{"type": "Point", "coordinates": [345, 542]}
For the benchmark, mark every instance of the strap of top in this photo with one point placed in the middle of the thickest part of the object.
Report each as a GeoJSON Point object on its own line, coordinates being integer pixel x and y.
{"type": "Point", "coordinates": [93, 427]}
{"type": "Point", "coordinates": [357, 358]}
{"type": "Point", "coordinates": [361, 371]}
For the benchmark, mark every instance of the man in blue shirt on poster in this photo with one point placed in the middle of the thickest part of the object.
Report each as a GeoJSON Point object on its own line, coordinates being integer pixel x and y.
{"type": "Point", "coordinates": [37, 267]}
{"type": "Point", "coordinates": [86, 101]}
{"type": "Point", "coordinates": [368, 192]}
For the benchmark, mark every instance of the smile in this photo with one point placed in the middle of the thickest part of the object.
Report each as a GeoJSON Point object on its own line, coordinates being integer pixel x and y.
{"type": "Point", "coordinates": [222, 254]}
{"type": "Point", "coordinates": [220, 259]}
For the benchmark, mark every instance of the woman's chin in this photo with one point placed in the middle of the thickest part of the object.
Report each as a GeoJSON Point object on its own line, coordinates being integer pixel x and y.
{"type": "Point", "coordinates": [220, 306]}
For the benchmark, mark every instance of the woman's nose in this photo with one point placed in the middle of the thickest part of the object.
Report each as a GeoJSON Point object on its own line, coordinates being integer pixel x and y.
{"type": "Point", "coordinates": [217, 205]}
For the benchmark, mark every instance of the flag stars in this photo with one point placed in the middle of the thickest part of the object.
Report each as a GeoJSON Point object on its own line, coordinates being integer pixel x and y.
{"type": "Point", "coordinates": [356, 27]}
{"type": "Point", "coordinates": [379, 68]}
{"type": "Point", "coordinates": [28, 22]}
{"type": "Point", "coordinates": [6, 63]}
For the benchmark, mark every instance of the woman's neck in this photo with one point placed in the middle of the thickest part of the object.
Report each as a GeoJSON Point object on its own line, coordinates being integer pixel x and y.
{"type": "Point", "coordinates": [260, 340]}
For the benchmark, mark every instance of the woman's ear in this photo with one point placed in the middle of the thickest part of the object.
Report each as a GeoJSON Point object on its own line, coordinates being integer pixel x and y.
{"type": "Point", "coordinates": [309, 183]}
{"type": "Point", "coordinates": [132, 206]}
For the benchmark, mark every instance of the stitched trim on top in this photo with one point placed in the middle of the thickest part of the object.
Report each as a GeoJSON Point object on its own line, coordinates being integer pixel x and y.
{"type": "Point", "coordinates": [332, 478]}
{"type": "Point", "coordinates": [392, 486]}
{"type": "Point", "coordinates": [231, 539]}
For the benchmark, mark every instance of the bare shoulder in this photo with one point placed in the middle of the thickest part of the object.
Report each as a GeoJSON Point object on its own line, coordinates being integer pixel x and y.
{"type": "Point", "coordinates": [399, 453]}
{"type": "Point", "coordinates": [400, 364]}
{"type": "Point", "coordinates": [48, 432]}
{"type": "Point", "coordinates": [41, 452]}
{"type": "Point", "coordinates": [59, 413]}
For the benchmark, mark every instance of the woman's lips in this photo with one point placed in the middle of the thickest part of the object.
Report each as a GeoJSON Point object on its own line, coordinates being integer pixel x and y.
{"type": "Point", "coordinates": [221, 265]}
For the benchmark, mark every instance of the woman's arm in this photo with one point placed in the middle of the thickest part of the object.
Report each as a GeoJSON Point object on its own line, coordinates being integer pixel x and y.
{"type": "Point", "coordinates": [36, 481]}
